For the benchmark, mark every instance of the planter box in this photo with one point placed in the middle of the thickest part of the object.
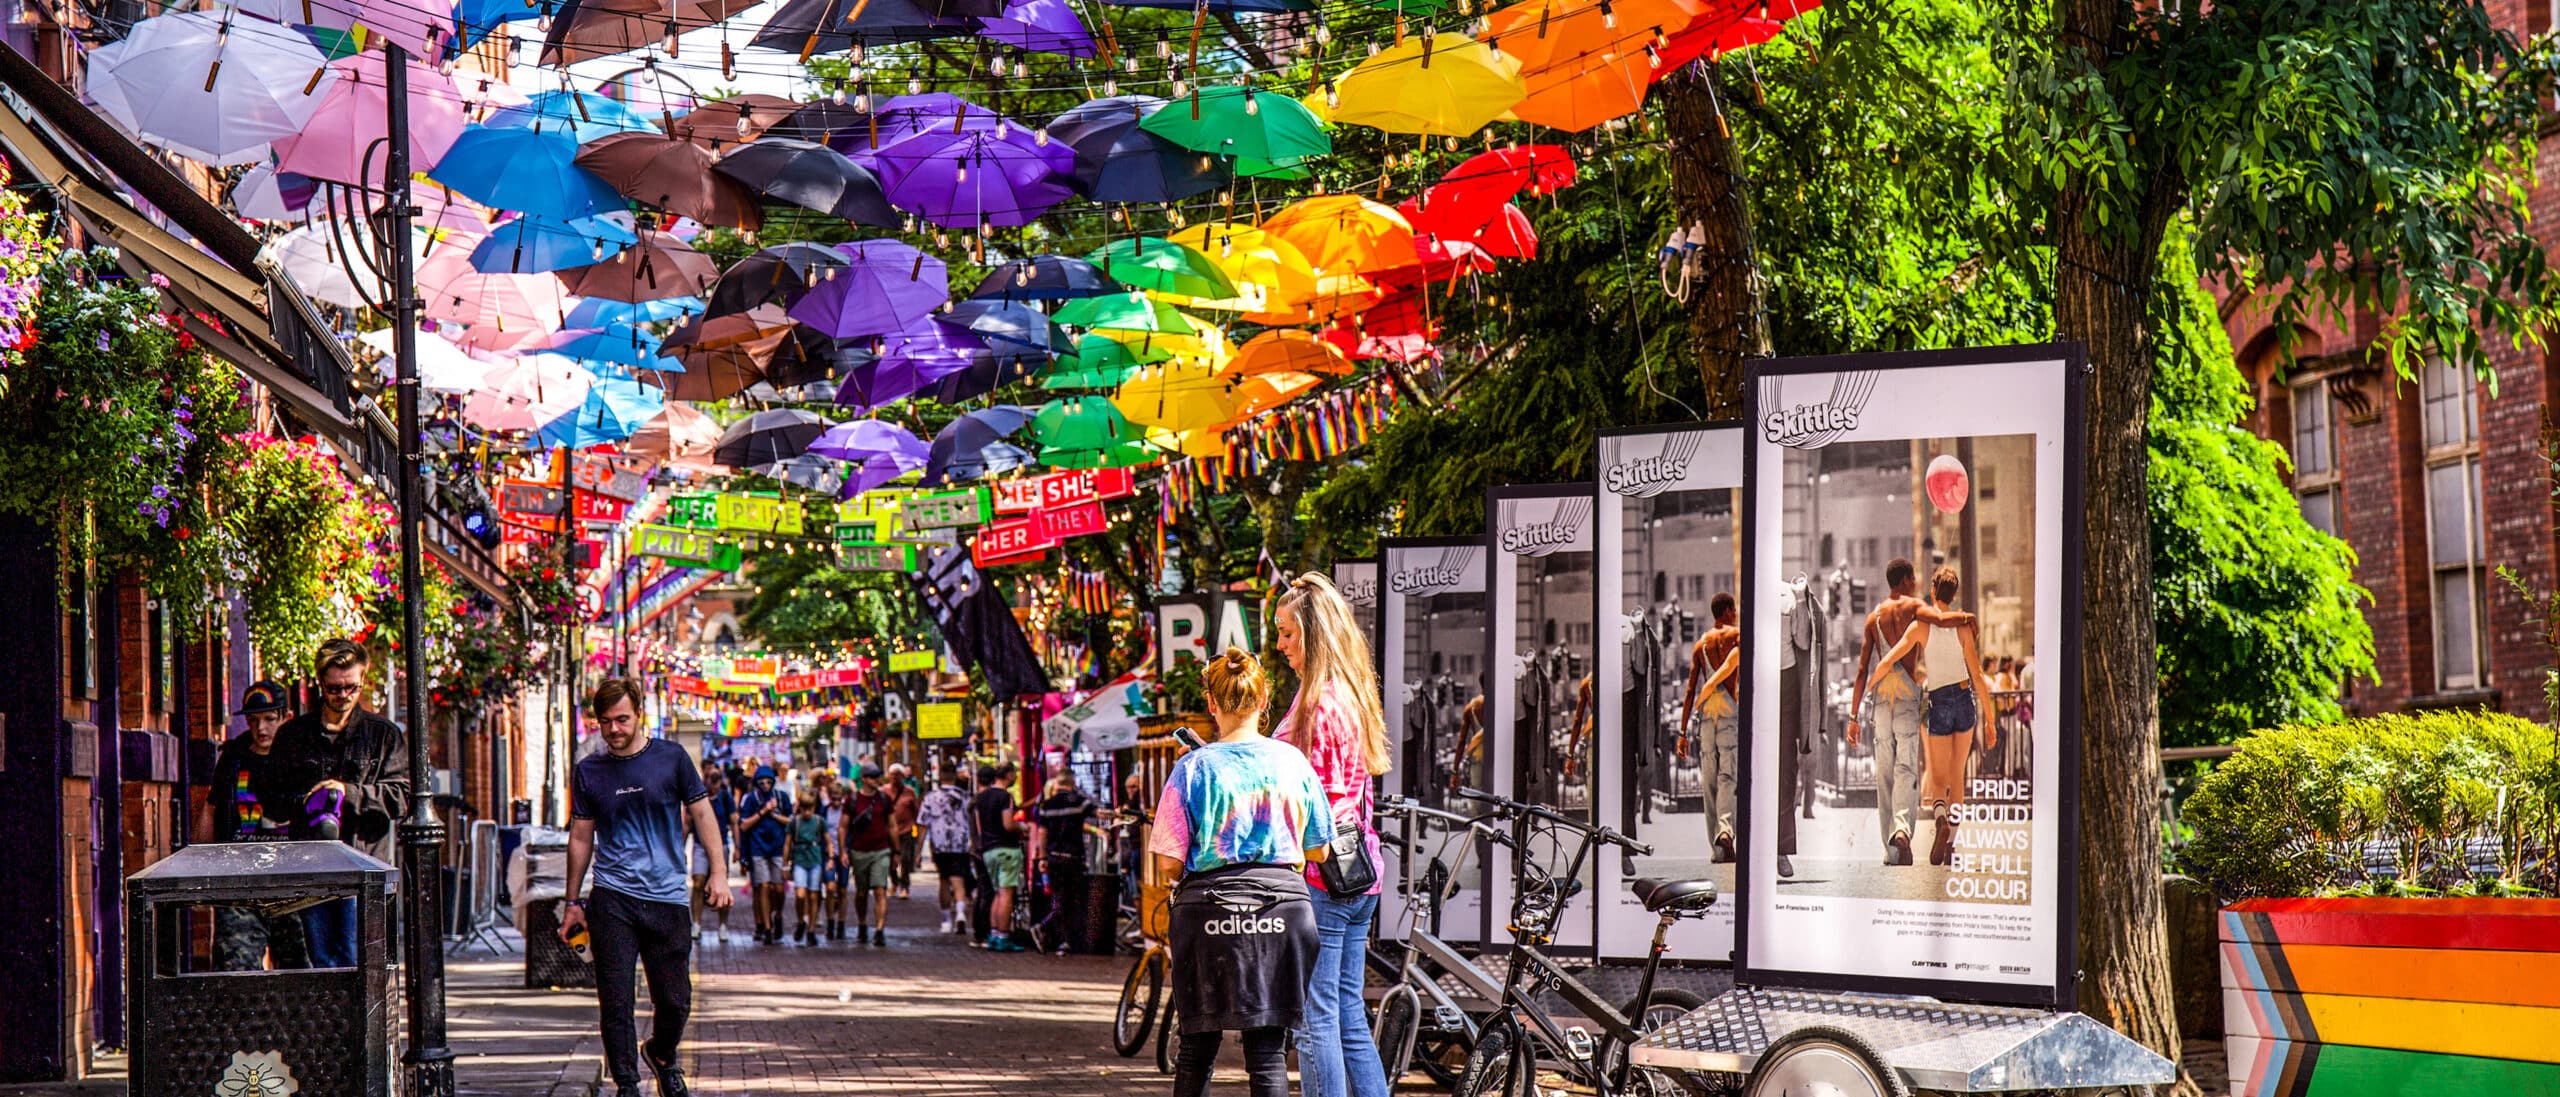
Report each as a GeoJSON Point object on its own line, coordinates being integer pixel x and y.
{"type": "Point", "coordinates": [2367, 997]}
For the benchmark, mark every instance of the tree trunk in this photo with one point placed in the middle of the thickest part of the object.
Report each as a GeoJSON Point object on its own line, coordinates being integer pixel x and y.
{"type": "Point", "coordinates": [1726, 322]}
{"type": "Point", "coordinates": [2102, 283]}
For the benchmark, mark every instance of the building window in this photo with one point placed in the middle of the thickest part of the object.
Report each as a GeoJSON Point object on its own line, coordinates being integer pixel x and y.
{"type": "Point", "coordinates": [2315, 456]}
{"type": "Point", "coordinates": [2455, 549]}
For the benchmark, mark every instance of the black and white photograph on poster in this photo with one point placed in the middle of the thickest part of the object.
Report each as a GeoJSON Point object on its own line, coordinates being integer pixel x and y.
{"type": "Point", "coordinates": [1910, 688]}
{"type": "Point", "coordinates": [1431, 613]}
{"type": "Point", "coordinates": [1668, 537]}
{"type": "Point", "coordinates": [1357, 579]}
{"type": "Point", "coordinates": [1539, 702]}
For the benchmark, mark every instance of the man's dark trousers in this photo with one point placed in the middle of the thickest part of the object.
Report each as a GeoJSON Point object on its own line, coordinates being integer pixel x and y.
{"type": "Point", "coordinates": [621, 930]}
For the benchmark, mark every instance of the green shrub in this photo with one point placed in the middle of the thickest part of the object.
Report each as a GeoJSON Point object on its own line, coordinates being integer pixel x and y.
{"type": "Point", "coordinates": [2430, 803]}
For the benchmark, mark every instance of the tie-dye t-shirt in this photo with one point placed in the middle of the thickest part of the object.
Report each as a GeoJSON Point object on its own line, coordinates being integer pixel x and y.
{"type": "Point", "coordinates": [1250, 802]}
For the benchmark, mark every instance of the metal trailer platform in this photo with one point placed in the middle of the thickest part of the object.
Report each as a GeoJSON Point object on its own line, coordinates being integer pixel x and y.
{"type": "Point", "coordinates": [1934, 1045]}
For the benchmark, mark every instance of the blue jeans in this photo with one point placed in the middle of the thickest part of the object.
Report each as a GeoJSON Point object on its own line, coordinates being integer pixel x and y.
{"type": "Point", "coordinates": [329, 933]}
{"type": "Point", "coordinates": [1336, 1058]}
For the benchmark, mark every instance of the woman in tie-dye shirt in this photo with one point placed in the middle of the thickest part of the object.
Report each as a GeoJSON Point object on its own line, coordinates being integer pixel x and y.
{"type": "Point", "coordinates": [1238, 820]}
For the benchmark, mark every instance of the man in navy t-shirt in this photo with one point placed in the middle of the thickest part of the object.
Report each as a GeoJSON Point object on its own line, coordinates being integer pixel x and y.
{"type": "Point", "coordinates": [629, 807]}
{"type": "Point", "coordinates": [764, 816]}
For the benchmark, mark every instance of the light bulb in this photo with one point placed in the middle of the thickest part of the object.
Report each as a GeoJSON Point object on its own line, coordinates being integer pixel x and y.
{"type": "Point", "coordinates": [1110, 86]}
{"type": "Point", "coordinates": [1608, 18]}
{"type": "Point", "coordinates": [1164, 49]}
{"type": "Point", "coordinates": [1021, 71]}
{"type": "Point", "coordinates": [1251, 107]}
{"type": "Point", "coordinates": [860, 102]}
{"type": "Point", "coordinates": [1324, 34]}
{"type": "Point", "coordinates": [915, 86]}
{"type": "Point", "coordinates": [996, 68]}
{"type": "Point", "coordinates": [1180, 89]}
{"type": "Point", "coordinates": [1040, 137]}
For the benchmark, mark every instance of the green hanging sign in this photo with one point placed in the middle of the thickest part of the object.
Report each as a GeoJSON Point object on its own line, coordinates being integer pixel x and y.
{"type": "Point", "coordinates": [946, 509]}
{"type": "Point", "coordinates": [688, 546]}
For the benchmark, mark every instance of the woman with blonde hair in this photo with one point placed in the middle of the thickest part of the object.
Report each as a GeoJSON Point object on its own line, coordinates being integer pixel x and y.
{"type": "Point", "coordinates": [1238, 820]}
{"type": "Point", "coordinates": [1337, 721]}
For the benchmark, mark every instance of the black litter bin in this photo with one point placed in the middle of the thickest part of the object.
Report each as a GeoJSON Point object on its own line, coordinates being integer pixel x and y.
{"type": "Point", "coordinates": [1097, 933]}
{"type": "Point", "coordinates": [319, 1031]}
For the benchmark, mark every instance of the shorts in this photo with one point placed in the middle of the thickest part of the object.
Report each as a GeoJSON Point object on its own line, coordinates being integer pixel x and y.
{"type": "Point", "coordinates": [870, 868]}
{"type": "Point", "coordinates": [1004, 866]}
{"type": "Point", "coordinates": [765, 870]}
{"type": "Point", "coordinates": [701, 864]}
{"type": "Point", "coordinates": [809, 877]}
{"type": "Point", "coordinates": [954, 866]}
{"type": "Point", "coordinates": [1951, 709]}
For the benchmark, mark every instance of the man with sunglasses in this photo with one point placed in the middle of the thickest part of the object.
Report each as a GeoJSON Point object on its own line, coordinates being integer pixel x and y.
{"type": "Point", "coordinates": [355, 765]}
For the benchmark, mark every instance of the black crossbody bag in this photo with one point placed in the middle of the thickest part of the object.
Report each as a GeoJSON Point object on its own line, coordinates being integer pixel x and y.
{"type": "Point", "coordinates": [1347, 870]}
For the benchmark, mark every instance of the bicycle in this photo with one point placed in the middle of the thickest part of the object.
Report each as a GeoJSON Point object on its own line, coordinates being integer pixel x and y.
{"type": "Point", "coordinates": [1142, 993]}
{"type": "Point", "coordinates": [1398, 1025]}
{"type": "Point", "coordinates": [1522, 1034]}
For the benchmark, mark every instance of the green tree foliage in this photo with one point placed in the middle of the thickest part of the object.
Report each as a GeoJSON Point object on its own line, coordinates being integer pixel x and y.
{"type": "Point", "coordinates": [2258, 613]}
{"type": "Point", "coordinates": [801, 600]}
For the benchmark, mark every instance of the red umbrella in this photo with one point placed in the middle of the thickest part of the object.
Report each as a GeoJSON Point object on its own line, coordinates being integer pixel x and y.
{"type": "Point", "coordinates": [658, 267]}
{"type": "Point", "coordinates": [1406, 313]}
{"type": "Point", "coordinates": [673, 175]}
{"type": "Point", "coordinates": [1508, 235]}
{"type": "Point", "coordinates": [1472, 194]}
{"type": "Point", "coordinates": [1394, 348]}
{"type": "Point", "coordinates": [1443, 260]}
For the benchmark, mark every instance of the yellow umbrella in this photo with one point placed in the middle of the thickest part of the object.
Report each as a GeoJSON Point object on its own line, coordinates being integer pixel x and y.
{"type": "Point", "coordinates": [1345, 233]}
{"type": "Point", "coordinates": [1207, 442]}
{"type": "Point", "coordinates": [1205, 343]}
{"type": "Point", "coordinates": [1176, 396]}
{"type": "Point", "coordinates": [1264, 267]}
{"type": "Point", "coordinates": [1287, 351]}
{"type": "Point", "coordinates": [1336, 296]}
{"type": "Point", "coordinates": [1445, 84]}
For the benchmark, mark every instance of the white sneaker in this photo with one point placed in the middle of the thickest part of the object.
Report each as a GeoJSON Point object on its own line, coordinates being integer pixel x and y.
{"type": "Point", "coordinates": [697, 931]}
{"type": "Point", "coordinates": [946, 923]}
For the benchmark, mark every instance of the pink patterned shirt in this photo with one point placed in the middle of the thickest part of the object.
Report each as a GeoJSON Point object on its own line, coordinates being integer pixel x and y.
{"type": "Point", "coordinates": [1333, 748]}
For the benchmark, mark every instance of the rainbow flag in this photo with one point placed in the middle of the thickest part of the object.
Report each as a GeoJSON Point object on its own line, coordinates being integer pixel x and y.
{"type": "Point", "coordinates": [726, 724]}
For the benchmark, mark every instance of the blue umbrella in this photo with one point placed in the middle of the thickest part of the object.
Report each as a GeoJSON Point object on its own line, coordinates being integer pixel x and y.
{"type": "Point", "coordinates": [973, 445]}
{"type": "Point", "coordinates": [614, 410]}
{"type": "Point", "coordinates": [1118, 162]}
{"type": "Point", "coordinates": [597, 312]}
{"type": "Point", "coordinates": [628, 347]}
{"type": "Point", "coordinates": [533, 243]}
{"type": "Point", "coordinates": [474, 20]}
{"type": "Point", "coordinates": [1045, 278]}
{"type": "Point", "coordinates": [580, 116]}
{"type": "Point", "coordinates": [1000, 322]}
{"type": "Point", "coordinates": [527, 170]}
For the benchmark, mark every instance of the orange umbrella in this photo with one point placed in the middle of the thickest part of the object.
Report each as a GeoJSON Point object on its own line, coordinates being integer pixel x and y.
{"type": "Point", "coordinates": [1263, 392]}
{"type": "Point", "coordinates": [1585, 61]}
{"type": "Point", "coordinates": [1345, 234]}
{"type": "Point", "coordinates": [1287, 351]}
{"type": "Point", "coordinates": [1334, 296]}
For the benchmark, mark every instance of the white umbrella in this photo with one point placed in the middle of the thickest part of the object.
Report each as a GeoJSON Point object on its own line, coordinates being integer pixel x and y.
{"type": "Point", "coordinates": [208, 86]}
{"type": "Point", "coordinates": [313, 257]}
{"type": "Point", "coordinates": [526, 393]}
{"type": "Point", "coordinates": [442, 366]}
{"type": "Point", "coordinates": [415, 26]}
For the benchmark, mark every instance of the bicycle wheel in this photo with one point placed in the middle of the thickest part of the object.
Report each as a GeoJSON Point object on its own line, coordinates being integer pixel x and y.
{"type": "Point", "coordinates": [1139, 997]}
{"type": "Point", "coordinates": [1442, 1056]}
{"type": "Point", "coordinates": [1398, 1020]}
{"type": "Point", "coordinates": [1499, 1064]}
{"type": "Point", "coordinates": [1824, 1059]}
{"type": "Point", "coordinates": [1168, 1040]}
{"type": "Point", "coordinates": [1663, 1006]}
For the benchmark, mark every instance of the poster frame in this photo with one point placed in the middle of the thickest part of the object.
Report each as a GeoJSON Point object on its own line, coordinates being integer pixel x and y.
{"type": "Point", "coordinates": [2061, 992]}
{"type": "Point", "coordinates": [1497, 893]}
{"type": "Point", "coordinates": [1395, 919]}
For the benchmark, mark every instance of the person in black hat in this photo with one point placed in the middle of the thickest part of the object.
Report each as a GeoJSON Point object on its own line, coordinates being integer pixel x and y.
{"type": "Point", "coordinates": [255, 799]}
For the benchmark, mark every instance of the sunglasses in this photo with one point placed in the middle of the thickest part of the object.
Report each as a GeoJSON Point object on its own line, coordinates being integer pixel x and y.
{"type": "Point", "coordinates": [341, 691]}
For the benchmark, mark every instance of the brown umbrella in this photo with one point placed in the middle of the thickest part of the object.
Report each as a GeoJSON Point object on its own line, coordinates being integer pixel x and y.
{"type": "Point", "coordinates": [673, 175]}
{"type": "Point", "coordinates": [587, 29]}
{"type": "Point", "coordinates": [681, 436]}
{"type": "Point", "coordinates": [658, 267]}
{"type": "Point", "coordinates": [728, 123]}
{"type": "Point", "coordinates": [722, 355]}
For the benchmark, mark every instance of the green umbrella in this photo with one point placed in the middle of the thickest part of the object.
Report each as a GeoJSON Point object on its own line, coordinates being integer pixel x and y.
{"type": "Point", "coordinates": [1153, 262]}
{"type": "Point", "coordinates": [1100, 362]}
{"type": "Point", "coordinates": [1233, 121]}
{"type": "Point", "coordinates": [1123, 312]}
{"type": "Point", "coordinates": [1110, 457]}
{"type": "Point", "coordinates": [1292, 168]}
{"type": "Point", "coordinates": [1082, 423]}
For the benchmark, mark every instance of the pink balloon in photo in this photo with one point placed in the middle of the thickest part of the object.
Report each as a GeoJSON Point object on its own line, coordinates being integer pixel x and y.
{"type": "Point", "coordinates": [1947, 483]}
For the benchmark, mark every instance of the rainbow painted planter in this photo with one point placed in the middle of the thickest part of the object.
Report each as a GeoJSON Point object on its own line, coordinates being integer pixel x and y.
{"type": "Point", "coordinates": [2400, 997]}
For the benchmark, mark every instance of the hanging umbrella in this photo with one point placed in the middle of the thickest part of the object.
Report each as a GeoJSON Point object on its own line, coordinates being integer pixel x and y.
{"type": "Point", "coordinates": [1345, 233]}
{"type": "Point", "coordinates": [208, 86]}
{"type": "Point", "coordinates": [1176, 396]}
{"type": "Point", "coordinates": [807, 356]}
{"type": "Point", "coordinates": [613, 410]}
{"type": "Point", "coordinates": [835, 123]}
{"type": "Point", "coordinates": [442, 366]}
{"type": "Point", "coordinates": [1584, 62]}
{"type": "Point", "coordinates": [1264, 268]}
{"type": "Point", "coordinates": [339, 137]}
{"type": "Point", "coordinates": [1287, 351]}
{"type": "Point", "coordinates": [588, 29]}
{"type": "Point", "coordinates": [1507, 235]}
{"type": "Point", "coordinates": [596, 312]}
{"type": "Point", "coordinates": [724, 124]}
{"type": "Point", "coordinates": [680, 435]}
{"type": "Point", "coordinates": [1039, 26]}
{"type": "Point", "coordinates": [1265, 391]}
{"type": "Point", "coordinates": [659, 265]}
{"type": "Point", "coordinates": [630, 348]}
{"type": "Point", "coordinates": [811, 176]}
{"type": "Point", "coordinates": [1240, 121]}
{"type": "Point", "coordinates": [526, 393]}
{"type": "Point", "coordinates": [1288, 168]}
{"type": "Point", "coordinates": [477, 19]}
{"type": "Point", "coordinates": [531, 243]}
{"type": "Point", "coordinates": [265, 194]}
{"type": "Point", "coordinates": [1116, 161]}
{"type": "Point", "coordinates": [973, 446]}
{"type": "Point", "coordinates": [1473, 193]}
{"type": "Point", "coordinates": [524, 169]}
{"type": "Point", "coordinates": [1443, 84]}
{"type": "Point", "coordinates": [580, 116]}
{"type": "Point", "coordinates": [808, 27]}
{"type": "Point", "coordinates": [880, 451]}
{"type": "Point", "coordinates": [454, 291]}
{"type": "Point", "coordinates": [723, 354]}
{"type": "Point", "coordinates": [1124, 312]}
{"type": "Point", "coordinates": [887, 286]}
{"type": "Point", "coordinates": [671, 174]}
{"type": "Point", "coordinates": [1081, 423]}
{"type": "Point", "coordinates": [1123, 455]}
{"type": "Point", "coordinates": [989, 369]}
{"type": "Point", "coordinates": [778, 434]}
{"type": "Point", "coordinates": [1208, 443]}
{"type": "Point", "coordinates": [909, 362]}
{"type": "Point", "coordinates": [1723, 30]}
{"type": "Point", "coordinates": [777, 275]}
{"type": "Point", "coordinates": [974, 177]}
{"type": "Point", "coordinates": [1045, 278]}
{"type": "Point", "coordinates": [999, 322]}
{"type": "Point", "coordinates": [1394, 348]}
{"type": "Point", "coordinates": [314, 257]}
{"type": "Point", "coordinates": [817, 474]}
{"type": "Point", "coordinates": [1099, 362]}
{"type": "Point", "coordinates": [1155, 263]}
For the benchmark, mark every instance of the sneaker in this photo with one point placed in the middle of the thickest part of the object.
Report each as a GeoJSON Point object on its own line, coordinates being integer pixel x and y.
{"type": "Point", "coordinates": [670, 1076]}
{"type": "Point", "coordinates": [697, 931]}
{"type": "Point", "coordinates": [946, 923]}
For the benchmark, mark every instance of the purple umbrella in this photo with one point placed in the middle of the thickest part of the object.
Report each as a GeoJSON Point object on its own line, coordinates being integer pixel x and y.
{"type": "Point", "coordinates": [1040, 26]}
{"type": "Point", "coordinates": [909, 361]}
{"type": "Point", "coordinates": [887, 287]}
{"type": "Point", "coordinates": [880, 451]}
{"type": "Point", "coordinates": [999, 177]}
{"type": "Point", "coordinates": [972, 445]}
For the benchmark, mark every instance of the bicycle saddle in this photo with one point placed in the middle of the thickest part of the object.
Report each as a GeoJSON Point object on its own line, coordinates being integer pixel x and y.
{"type": "Point", "coordinates": [1679, 896]}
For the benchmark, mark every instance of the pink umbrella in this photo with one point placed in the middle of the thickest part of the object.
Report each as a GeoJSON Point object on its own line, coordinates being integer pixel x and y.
{"type": "Point", "coordinates": [681, 436]}
{"type": "Point", "coordinates": [348, 125]}
{"type": "Point", "coordinates": [526, 393]}
{"type": "Point", "coordinates": [509, 302]}
{"type": "Point", "coordinates": [490, 340]}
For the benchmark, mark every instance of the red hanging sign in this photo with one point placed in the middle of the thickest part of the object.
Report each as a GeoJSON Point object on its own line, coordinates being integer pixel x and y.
{"type": "Point", "coordinates": [600, 508]}
{"type": "Point", "coordinates": [1055, 524]}
{"type": "Point", "coordinates": [1007, 542]}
